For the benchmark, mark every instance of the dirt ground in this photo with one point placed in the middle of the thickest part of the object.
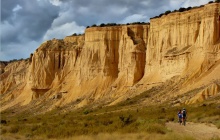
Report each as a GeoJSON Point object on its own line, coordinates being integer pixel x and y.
{"type": "Point", "coordinates": [196, 130]}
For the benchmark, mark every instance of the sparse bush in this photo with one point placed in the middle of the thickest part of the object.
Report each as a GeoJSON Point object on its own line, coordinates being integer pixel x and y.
{"type": "Point", "coordinates": [86, 112]}
{"type": "Point", "coordinates": [182, 9]}
{"type": "Point", "coordinates": [189, 8]}
{"type": "Point", "coordinates": [94, 25]}
{"type": "Point", "coordinates": [167, 12]}
{"type": "Point", "coordinates": [102, 25]}
{"type": "Point", "coordinates": [126, 120]}
{"type": "Point", "coordinates": [111, 24]}
{"type": "Point", "coordinates": [14, 129]}
{"type": "Point", "coordinates": [161, 15]}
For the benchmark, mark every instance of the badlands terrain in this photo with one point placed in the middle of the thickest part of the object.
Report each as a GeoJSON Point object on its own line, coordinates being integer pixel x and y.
{"type": "Point", "coordinates": [119, 79]}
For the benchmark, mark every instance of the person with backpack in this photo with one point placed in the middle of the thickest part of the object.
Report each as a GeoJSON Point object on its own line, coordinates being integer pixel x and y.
{"type": "Point", "coordinates": [184, 113]}
{"type": "Point", "coordinates": [180, 116]}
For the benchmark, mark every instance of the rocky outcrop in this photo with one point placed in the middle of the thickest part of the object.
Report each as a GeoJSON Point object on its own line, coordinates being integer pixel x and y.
{"type": "Point", "coordinates": [109, 62]}
{"type": "Point", "coordinates": [206, 93]}
{"type": "Point", "coordinates": [14, 74]}
{"type": "Point", "coordinates": [132, 53]}
{"type": "Point", "coordinates": [102, 53]}
{"type": "Point", "coordinates": [181, 41]}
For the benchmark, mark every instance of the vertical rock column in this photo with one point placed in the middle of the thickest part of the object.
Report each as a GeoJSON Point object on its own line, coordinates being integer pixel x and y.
{"type": "Point", "coordinates": [132, 53]}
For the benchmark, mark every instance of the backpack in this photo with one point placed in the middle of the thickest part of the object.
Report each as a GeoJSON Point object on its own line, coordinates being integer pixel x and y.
{"type": "Point", "coordinates": [184, 113]}
{"type": "Point", "coordinates": [180, 115]}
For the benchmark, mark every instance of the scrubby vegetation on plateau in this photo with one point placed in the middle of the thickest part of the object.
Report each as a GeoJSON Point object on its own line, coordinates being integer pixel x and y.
{"type": "Point", "coordinates": [182, 9]}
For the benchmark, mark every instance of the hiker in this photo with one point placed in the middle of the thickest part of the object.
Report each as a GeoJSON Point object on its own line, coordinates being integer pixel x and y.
{"type": "Point", "coordinates": [184, 113]}
{"type": "Point", "coordinates": [180, 116]}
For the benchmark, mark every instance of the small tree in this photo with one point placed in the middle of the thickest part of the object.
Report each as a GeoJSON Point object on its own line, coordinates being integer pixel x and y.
{"type": "Point", "coordinates": [94, 25]}
{"type": "Point", "coordinates": [74, 34]}
{"type": "Point", "coordinates": [182, 9]}
{"type": "Point", "coordinates": [167, 12]}
{"type": "Point", "coordinates": [102, 25]}
{"type": "Point", "coordinates": [188, 8]}
{"type": "Point", "coordinates": [161, 15]}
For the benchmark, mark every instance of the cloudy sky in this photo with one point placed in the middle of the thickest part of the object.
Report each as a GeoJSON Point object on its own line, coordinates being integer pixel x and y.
{"type": "Point", "coordinates": [25, 24]}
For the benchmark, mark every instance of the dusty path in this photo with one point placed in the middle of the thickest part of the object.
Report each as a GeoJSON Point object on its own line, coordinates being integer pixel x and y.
{"type": "Point", "coordinates": [196, 130]}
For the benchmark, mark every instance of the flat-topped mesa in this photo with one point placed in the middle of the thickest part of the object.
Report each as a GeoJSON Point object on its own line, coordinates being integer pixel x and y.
{"type": "Point", "coordinates": [180, 40]}
{"type": "Point", "coordinates": [107, 61]}
{"type": "Point", "coordinates": [114, 50]}
{"type": "Point", "coordinates": [103, 52]}
{"type": "Point", "coordinates": [100, 52]}
{"type": "Point", "coordinates": [75, 39]}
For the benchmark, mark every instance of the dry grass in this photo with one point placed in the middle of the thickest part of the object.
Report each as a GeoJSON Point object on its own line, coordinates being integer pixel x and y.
{"type": "Point", "coordinates": [149, 120]}
{"type": "Point", "coordinates": [111, 136]}
{"type": "Point", "coordinates": [131, 136]}
{"type": "Point", "coordinates": [113, 122]}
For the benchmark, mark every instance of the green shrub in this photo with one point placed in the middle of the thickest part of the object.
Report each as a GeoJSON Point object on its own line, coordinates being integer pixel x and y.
{"type": "Point", "coordinates": [126, 120]}
{"type": "Point", "coordinates": [94, 25]}
{"type": "Point", "coordinates": [167, 12]}
{"type": "Point", "coordinates": [86, 112]}
{"type": "Point", "coordinates": [182, 9]}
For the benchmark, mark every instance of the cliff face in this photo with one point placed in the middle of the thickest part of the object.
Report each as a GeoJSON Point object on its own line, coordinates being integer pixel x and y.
{"type": "Point", "coordinates": [89, 65]}
{"type": "Point", "coordinates": [13, 75]}
{"type": "Point", "coordinates": [107, 62]}
{"type": "Point", "coordinates": [52, 61]}
{"type": "Point", "coordinates": [183, 41]}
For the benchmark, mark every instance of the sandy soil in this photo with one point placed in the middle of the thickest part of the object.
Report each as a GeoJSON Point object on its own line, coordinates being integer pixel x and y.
{"type": "Point", "coordinates": [196, 130]}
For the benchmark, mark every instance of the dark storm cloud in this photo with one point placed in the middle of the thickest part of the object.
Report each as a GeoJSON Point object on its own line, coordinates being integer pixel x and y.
{"type": "Point", "coordinates": [22, 23]}
{"type": "Point", "coordinates": [25, 24]}
{"type": "Point", "coordinates": [7, 7]}
{"type": "Point", "coordinates": [97, 11]}
{"type": "Point", "coordinates": [30, 22]}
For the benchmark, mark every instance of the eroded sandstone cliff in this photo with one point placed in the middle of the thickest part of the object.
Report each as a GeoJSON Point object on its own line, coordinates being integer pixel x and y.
{"type": "Point", "coordinates": [110, 64]}
{"type": "Point", "coordinates": [183, 41]}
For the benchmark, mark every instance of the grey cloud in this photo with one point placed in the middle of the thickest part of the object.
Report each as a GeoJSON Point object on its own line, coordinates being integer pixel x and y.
{"type": "Point", "coordinates": [17, 51]}
{"type": "Point", "coordinates": [7, 7]}
{"type": "Point", "coordinates": [36, 20]}
{"type": "Point", "coordinates": [29, 23]}
{"type": "Point", "coordinates": [26, 24]}
{"type": "Point", "coordinates": [103, 11]}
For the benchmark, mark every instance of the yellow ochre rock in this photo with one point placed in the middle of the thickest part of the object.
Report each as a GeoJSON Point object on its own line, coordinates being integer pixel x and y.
{"type": "Point", "coordinates": [110, 62]}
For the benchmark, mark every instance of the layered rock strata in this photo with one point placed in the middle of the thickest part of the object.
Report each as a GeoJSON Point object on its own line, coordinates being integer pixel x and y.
{"type": "Point", "coordinates": [112, 61]}
{"type": "Point", "coordinates": [182, 41]}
